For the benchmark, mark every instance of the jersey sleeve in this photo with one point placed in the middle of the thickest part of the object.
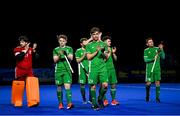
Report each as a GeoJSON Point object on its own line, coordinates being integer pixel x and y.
{"type": "Point", "coordinates": [77, 54]}
{"type": "Point", "coordinates": [106, 47]}
{"type": "Point", "coordinates": [55, 52]}
{"type": "Point", "coordinates": [17, 51]}
{"type": "Point", "coordinates": [162, 54]}
{"type": "Point", "coordinates": [70, 51]}
{"type": "Point", "coordinates": [146, 57]}
{"type": "Point", "coordinates": [88, 50]}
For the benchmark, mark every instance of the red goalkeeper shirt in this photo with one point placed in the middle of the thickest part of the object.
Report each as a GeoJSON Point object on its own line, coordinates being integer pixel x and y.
{"type": "Point", "coordinates": [24, 66]}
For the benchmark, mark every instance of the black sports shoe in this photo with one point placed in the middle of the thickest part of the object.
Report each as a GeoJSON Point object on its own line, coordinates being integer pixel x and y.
{"type": "Point", "coordinates": [95, 107]}
{"type": "Point", "coordinates": [70, 105]}
{"type": "Point", "coordinates": [101, 104]}
{"type": "Point", "coordinates": [35, 105]}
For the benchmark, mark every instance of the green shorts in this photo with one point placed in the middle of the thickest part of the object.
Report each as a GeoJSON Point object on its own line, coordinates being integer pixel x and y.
{"type": "Point", "coordinates": [155, 76]}
{"type": "Point", "coordinates": [112, 76]}
{"type": "Point", "coordinates": [63, 77]}
{"type": "Point", "coordinates": [82, 77]}
{"type": "Point", "coordinates": [98, 76]}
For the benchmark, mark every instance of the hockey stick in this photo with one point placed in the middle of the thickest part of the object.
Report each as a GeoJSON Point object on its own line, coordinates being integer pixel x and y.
{"type": "Point", "coordinates": [68, 64]}
{"type": "Point", "coordinates": [87, 74]}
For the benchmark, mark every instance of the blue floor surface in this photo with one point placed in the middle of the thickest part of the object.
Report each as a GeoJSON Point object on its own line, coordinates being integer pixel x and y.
{"type": "Point", "coordinates": [131, 97]}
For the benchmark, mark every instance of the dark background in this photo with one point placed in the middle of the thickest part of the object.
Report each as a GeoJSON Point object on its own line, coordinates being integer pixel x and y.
{"type": "Point", "coordinates": [129, 24]}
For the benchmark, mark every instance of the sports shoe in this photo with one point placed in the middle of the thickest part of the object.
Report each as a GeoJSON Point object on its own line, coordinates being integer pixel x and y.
{"type": "Point", "coordinates": [100, 102]}
{"type": "Point", "coordinates": [70, 105]}
{"type": "Point", "coordinates": [34, 105]}
{"type": "Point", "coordinates": [95, 107]}
{"type": "Point", "coordinates": [114, 102]}
{"type": "Point", "coordinates": [90, 102]}
{"type": "Point", "coordinates": [105, 102]}
{"type": "Point", "coordinates": [61, 106]}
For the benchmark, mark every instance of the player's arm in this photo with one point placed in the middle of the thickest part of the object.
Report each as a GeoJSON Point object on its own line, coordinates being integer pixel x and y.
{"type": "Point", "coordinates": [162, 54]}
{"type": "Point", "coordinates": [114, 53]}
{"type": "Point", "coordinates": [70, 57]}
{"type": "Point", "coordinates": [35, 53]}
{"type": "Point", "coordinates": [70, 54]}
{"type": "Point", "coordinates": [19, 55]}
{"type": "Point", "coordinates": [87, 41]}
{"type": "Point", "coordinates": [107, 53]}
{"type": "Point", "coordinates": [57, 55]}
{"type": "Point", "coordinates": [90, 56]}
{"type": "Point", "coordinates": [81, 58]}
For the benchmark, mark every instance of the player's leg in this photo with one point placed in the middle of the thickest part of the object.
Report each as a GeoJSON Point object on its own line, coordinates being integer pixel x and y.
{"type": "Point", "coordinates": [18, 88]}
{"type": "Point", "coordinates": [90, 97]}
{"type": "Point", "coordinates": [83, 93]}
{"type": "Point", "coordinates": [59, 82]}
{"type": "Point", "coordinates": [113, 81]}
{"type": "Point", "coordinates": [92, 81]}
{"type": "Point", "coordinates": [103, 78]}
{"type": "Point", "coordinates": [82, 81]}
{"type": "Point", "coordinates": [67, 77]}
{"type": "Point", "coordinates": [157, 82]}
{"type": "Point", "coordinates": [32, 91]}
{"type": "Point", "coordinates": [149, 79]}
{"type": "Point", "coordinates": [17, 93]}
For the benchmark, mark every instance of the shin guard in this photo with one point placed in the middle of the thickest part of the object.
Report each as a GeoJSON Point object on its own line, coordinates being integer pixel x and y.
{"type": "Point", "coordinates": [32, 91]}
{"type": "Point", "coordinates": [17, 93]}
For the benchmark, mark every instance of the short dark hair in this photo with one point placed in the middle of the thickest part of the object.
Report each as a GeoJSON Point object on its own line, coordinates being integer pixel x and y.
{"type": "Point", "coordinates": [62, 36]}
{"type": "Point", "coordinates": [94, 29]}
{"type": "Point", "coordinates": [83, 39]}
{"type": "Point", "coordinates": [149, 38]}
{"type": "Point", "coordinates": [106, 37]}
{"type": "Point", "coordinates": [23, 38]}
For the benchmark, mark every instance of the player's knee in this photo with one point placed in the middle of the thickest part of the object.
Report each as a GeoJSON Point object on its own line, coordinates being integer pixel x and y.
{"type": "Point", "coordinates": [113, 86]}
{"type": "Point", "coordinates": [148, 83]}
{"type": "Point", "coordinates": [93, 87]}
{"type": "Point", "coordinates": [59, 88]}
{"type": "Point", "coordinates": [157, 83]}
{"type": "Point", "coordinates": [105, 85]}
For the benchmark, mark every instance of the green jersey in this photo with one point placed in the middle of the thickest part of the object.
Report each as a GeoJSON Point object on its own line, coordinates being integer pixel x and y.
{"type": "Point", "coordinates": [149, 54]}
{"type": "Point", "coordinates": [78, 54]}
{"type": "Point", "coordinates": [98, 61]}
{"type": "Point", "coordinates": [109, 62]}
{"type": "Point", "coordinates": [62, 64]}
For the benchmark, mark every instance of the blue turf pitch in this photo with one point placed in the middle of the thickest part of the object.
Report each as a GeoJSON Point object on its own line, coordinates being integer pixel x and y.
{"type": "Point", "coordinates": [131, 97]}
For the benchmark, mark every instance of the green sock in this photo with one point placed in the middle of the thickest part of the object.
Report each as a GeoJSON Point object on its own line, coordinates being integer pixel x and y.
{"type": "Point", "coordinates": [157, 91]}
{"type": "Point", "coordinates": [147, 90]}
{"type": "Point", "coordinates": [60, 96]}
{"type": "Point", "coordinates": [68, 95]}
{"type": "Point", "coordinates": [102, 93]}
{"type": "Point", "coordinates": [113, 93]}
{"type": "Point", "coordinates": [83, 93]}
{"type": "Point", "coordinates": [93, 96]}
{"type": "Point", "coordinates": [104, 98]}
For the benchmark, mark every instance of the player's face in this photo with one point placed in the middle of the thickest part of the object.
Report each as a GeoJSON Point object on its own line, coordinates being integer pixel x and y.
{"type": "Point", "coordinates": [23, 43]}
{"type": "Point", "coordinates": [83, 43]}
{"type": "Point", "coordinates": [150, 43]}
{"type": "Point", "coordinates": [95, 35]}
{"type": "Point", "coordinates": [108, 41]}
{"type": "Point", "coordinates": [62, 42]}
